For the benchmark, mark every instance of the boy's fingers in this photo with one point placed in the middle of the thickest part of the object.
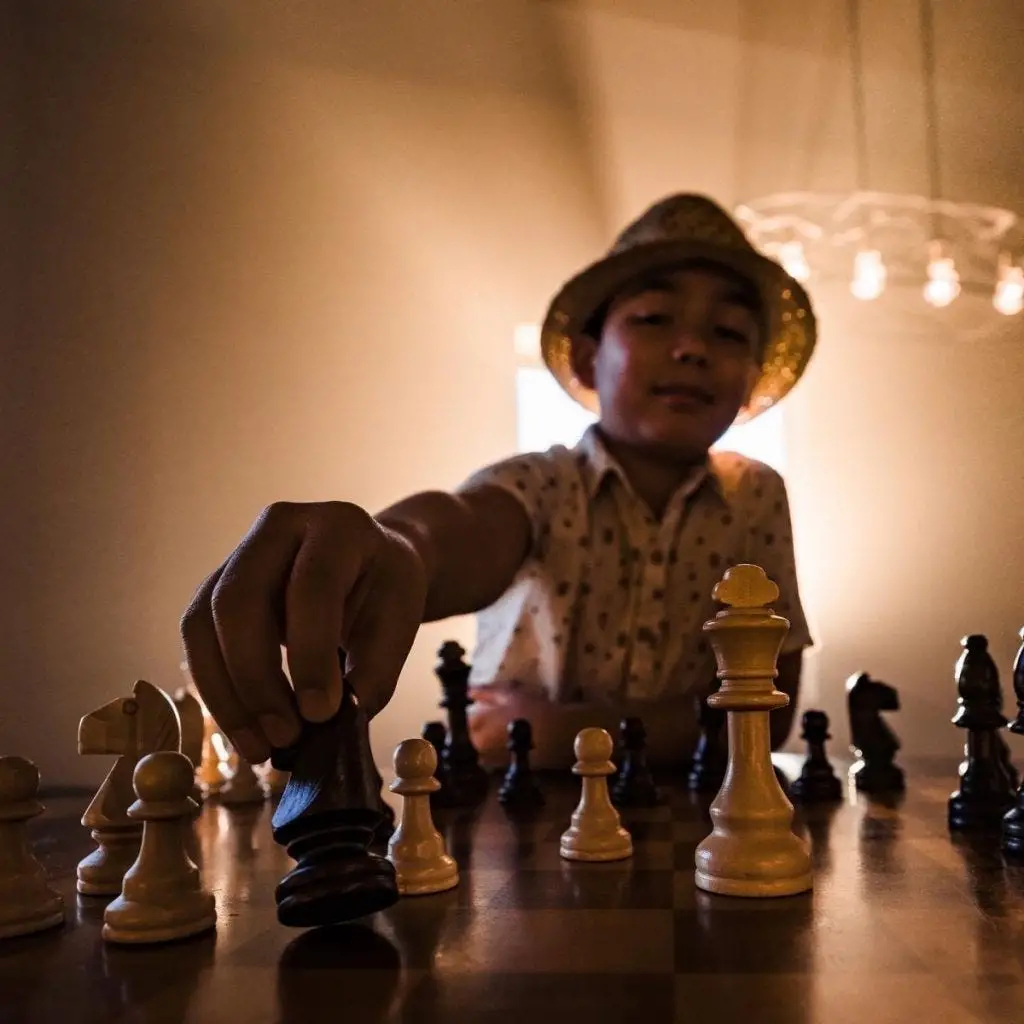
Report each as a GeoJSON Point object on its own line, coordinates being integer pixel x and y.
{"type": "Point", "coordinates": [247, 617]}
{"type": "Point", "coordinates": [320, 589]}
{"type": "Point", "coordinates": [210, 675]}
{"type": "Point", "coordinates": [381, 639]}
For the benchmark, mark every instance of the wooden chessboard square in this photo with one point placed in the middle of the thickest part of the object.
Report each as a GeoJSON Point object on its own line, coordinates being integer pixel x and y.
{"type": "Point", "coordinates": [502, 997]}
{"type": "Point", "coordinates": [547, 940]}
{"type": "Point", "coordinates": [617, 885]}
{"type": "Point", "coordinates": [785, 936]}
{"type": "Point", "coordinates": [846, 998]}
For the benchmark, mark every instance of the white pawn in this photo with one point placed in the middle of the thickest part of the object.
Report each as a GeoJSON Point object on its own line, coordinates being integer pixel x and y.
{"type": "Point", "coordinates": [27, 903]}
{"type": "Point", "coordinates": [162, 897]}
{"type": "Point", "coordinates": [416, 848]}
{"type": "Point", "coordinates": [244, 786]}
{"type": "Point", "coordinates": [596, 833]}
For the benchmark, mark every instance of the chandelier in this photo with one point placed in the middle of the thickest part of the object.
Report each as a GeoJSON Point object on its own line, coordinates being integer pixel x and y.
{"type": "Point", "coordinates": [874, 240]}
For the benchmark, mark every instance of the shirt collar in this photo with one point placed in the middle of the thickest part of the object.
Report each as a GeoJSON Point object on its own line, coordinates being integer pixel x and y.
{"type": "Point", "coordinates": [597, 464]}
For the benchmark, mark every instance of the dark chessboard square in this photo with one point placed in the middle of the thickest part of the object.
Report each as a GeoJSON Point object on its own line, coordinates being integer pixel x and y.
{"type": "Point", "coordinates": [500, 997]}
{"type": "Point", "coordinates": [614, 886]}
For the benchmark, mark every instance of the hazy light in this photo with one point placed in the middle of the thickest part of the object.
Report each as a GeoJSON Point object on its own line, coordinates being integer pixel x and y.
{"type": "Point", "coordinates": [526, 339]}
{"type": "Point", "coordinates": [1009, 294]}
{"type": "Point", "coordinates": [943, 280]}
{"type": "Point", "coordinates": [794, 260]}
{"type": "Point", "coordinates": [868, 275]}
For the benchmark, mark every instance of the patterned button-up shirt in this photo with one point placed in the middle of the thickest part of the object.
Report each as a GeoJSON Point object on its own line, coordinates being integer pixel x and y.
{"type": "Point", "coordinates": [610, 600]}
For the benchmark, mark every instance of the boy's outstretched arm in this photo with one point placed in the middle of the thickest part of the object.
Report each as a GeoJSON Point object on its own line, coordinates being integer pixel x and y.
{"type": "Point", "coordinates": [471, 544]}
{"type": "Point", "coordinates": [313, 577]}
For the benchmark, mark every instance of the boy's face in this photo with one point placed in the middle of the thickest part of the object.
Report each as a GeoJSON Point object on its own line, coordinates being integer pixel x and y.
{"type": "Point", "coordinates": [676, 360]}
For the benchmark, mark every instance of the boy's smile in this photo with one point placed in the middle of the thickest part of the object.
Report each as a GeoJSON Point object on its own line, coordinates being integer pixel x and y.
{"type": "Point", "coordinates": [674, 359]}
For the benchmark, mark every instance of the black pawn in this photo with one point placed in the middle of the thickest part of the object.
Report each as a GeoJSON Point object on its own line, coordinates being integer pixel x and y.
{"type": "Point", "coordinates": [634, 785]}
{"type": "Point", "coordinates": [1013, 820]}
{"type": "Point", "coordinates": [464, 782]}
{"type": "Point", "coordinates": [519, 787]}
{"type": "Point", "coordinates": [985, 792]}
{"type": "Point", "coordinates": [873, 743]}
{"type": "Point", "coordinates": [817, 781]}
{"type": "Point", "coordinates": [711, 755]}
{"type": "Point", "coordinates": [328, 817]}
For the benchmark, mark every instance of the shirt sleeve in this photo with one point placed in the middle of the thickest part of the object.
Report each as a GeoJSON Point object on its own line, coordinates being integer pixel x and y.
{"type": "Point", "coordinates": [770, 546]}
{"type": "Point", "coordinates": [535, 479]}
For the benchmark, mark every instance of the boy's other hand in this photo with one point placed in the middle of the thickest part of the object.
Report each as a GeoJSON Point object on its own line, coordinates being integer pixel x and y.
{"type": "Point", "coordinates": [310, 578]}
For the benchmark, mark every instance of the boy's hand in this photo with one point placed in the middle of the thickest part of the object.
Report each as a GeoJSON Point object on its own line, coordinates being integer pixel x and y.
{"type": "Point", "coordinates": [311, 578]}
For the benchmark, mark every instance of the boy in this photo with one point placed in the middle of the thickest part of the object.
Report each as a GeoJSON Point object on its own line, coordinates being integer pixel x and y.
{"type": "Point", "coordinates": [591, 569]}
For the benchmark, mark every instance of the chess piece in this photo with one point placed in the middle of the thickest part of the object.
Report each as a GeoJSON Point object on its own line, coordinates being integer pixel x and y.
{"type": "Point", "coordinates": [519, 787]}
{"type": "Point", "coordinates": [596, 832]}
{"type": "Point", "coordinates": [244, 787]}
{"type": "Point", "coordinates": [274, 780]}
{"type": "Point", "coordinates": [435, 734]}
{"type": "Point", "coordinates": [27, 903]}
{"type": "Point", "coordinates": [464, 782]}
{"type": "Point", "coordinates": [131, 727]}
{"type": "Point", "coordinates": [1013, 821]}
{"type": "Point", "coordinates": [817, 782]}
{"type": "Point", "coordinates": [193, 727]}
{"type": "Point", "coordinates": [634, 784]}
{"type": "Point", "coordinates": [874, 744]}
{"type": "Point", "coordinates": [752, 850]}
{"type": "Point", "coordinates": [163, 897]}
{"type": "Point", "coordinates": [985, 792]}
{"type": "Point", "coordinates": [212, 773]}
{"type": "Point", "coordinates": [416, 849]}
{"type": "Point", "coordinates": [711, 755]}
{"type": "Point", "coordinates": [327, 818]}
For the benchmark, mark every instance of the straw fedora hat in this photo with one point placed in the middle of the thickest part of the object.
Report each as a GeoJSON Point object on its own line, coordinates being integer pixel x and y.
{"type": "Point", "coordinates": [677, 229]}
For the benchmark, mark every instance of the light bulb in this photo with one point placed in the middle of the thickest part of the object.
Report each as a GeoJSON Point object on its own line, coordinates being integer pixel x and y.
{"type": "Point", "coordinates": [943, 280]}
{"type": "Point", "coordinates": [1009, 295]}
{"type": "Point", "coordinates": [868, 275]}
{"type": "Point", "coordinates": [794, 260]}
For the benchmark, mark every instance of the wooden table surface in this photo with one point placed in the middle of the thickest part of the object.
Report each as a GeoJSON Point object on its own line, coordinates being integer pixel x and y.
{"type": "Point", "coordinates": [905, 924]}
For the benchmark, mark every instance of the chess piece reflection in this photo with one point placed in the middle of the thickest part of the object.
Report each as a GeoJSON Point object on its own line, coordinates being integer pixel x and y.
{"type": "Point", "coordinates": [596, 832]}
{"type": "Point", "coordinates": [130, 727]}
{"type": "Point", "coordinates": [752, 850]}
{"type": "Point", "coordinates": [874, 744]}
{"type": "Point", "coordinates": [817, 781]}
{"type": "Point", "coordinates": [27, 903]}
{"type": "Point", "coordinates": [985, 792]}
{"type": "Point", "coordinates": [312, 963]}
{"type": "Point", "coordinates": [162, 897]}
{"type": "Point", "coordinates": [327, 818]}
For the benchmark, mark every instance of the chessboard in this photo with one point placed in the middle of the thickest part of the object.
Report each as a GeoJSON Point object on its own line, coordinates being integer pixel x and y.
{"type": "Point", "coordinates": [905, 922]}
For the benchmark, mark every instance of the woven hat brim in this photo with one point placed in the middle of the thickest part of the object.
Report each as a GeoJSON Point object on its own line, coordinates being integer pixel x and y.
{"type": "Point", "coordinates": [789, 317]}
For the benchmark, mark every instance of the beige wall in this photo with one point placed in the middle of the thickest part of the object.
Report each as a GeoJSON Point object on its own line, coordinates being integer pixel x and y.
{"type": "Point", "coordinates": [278, 251]}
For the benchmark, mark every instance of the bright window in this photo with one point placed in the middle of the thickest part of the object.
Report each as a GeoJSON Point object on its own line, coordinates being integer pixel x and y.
{"type": "Point", "coordinates": [546, 415]}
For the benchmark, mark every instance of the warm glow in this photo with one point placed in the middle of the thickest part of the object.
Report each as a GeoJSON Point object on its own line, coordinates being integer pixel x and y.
{"type": "Point", "coordinates": [868, 275]}
{"type": "Point", "coordinates": [943, 280]}
{"type": "Point", "coordinates": [527, 343]}
{"type": "Point", "coordinates": [1009, 294]}
{"type": "Point", "coordinates": [223, 754]}
{"type": "Point", "coordinates": [794, 260]}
